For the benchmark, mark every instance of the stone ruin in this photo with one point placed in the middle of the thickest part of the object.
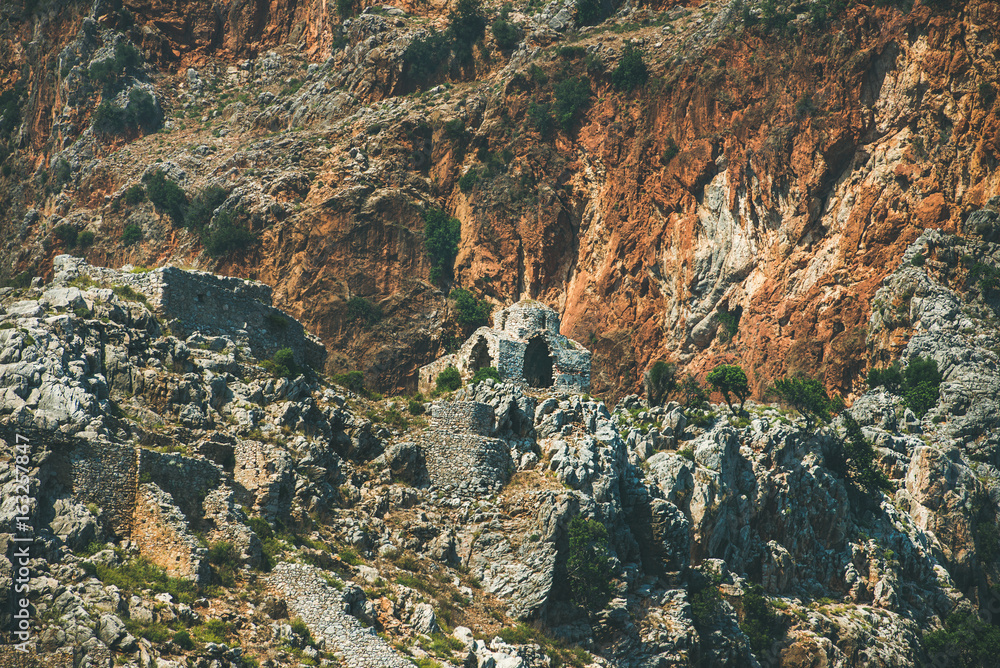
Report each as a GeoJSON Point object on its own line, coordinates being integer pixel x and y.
{"type": "Point", "coordinates": [189, 301]}
{"type": "Point", "coordinates": [459, 453]}
{"type": "Point", "coordinates": [525, 346]}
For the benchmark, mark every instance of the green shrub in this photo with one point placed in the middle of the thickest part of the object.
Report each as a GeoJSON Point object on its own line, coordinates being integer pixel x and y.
{"type": "Point", "coordinates": [760, 624]}
{"type": "Point", "coordinates": [468, 180]}
{"type": "Point", "coordinates": [67, 234]}
{"type": "Point", "coordinates": [670, 151]}
{"type": "Point", "coordinates": [807, 396]}
{"type": "Point", "coordinates": [448, 380]}
{"type": "Point", "coordinates": [21, 280]}
{"type": "Point", "coordinates": [138, 574]}
{"type": "Point", "coordinates": [966, 641]}
{"type": "Point", "coordinates": [284, 363]}
{"type": "Point", "coordinates": [425, 56]}
{"type": "Point", "coordinates": [631, 71]}
{"type": "Point", "coordinates": [363, 311]}
{"type": "Point", "coordinates": [346, 8]}
{"type": "Point", "coordinates": [858, 459]}
{"type": "Point", "coordinates": [918, 259]}
{"type": "Point", "coordinates": [352, 380]}
{"type": "Point", "coordinates": [441, 236]}
{"type": "Point", "coordinates": [141, 110]}
{"type": "Point", "coordinates": [226, 236]}
{"type": "Point", "coordinates": [506, 33]}
{"type": "Point", "coordinates": [85, 239]}
{"type": "Point", "coordinates": [223, 557]}
{"type": "Point", "coordinates": [541, 119]}
{"type": "Point", "coordinates": [592, 12]}
{"type": "Point", "coordinates": [587, 564]}
{"type": "Point", "coordinates": [131, 234]}
{"type": "Point", "coordinates": [730, 325]}
{"type": "Point", "coordinates": [660, 382]}
{"type": "Point", "coordinates": [202, 207]}
{"type": "Point", "coordinates": [276, 321]}
{"type": "Point", "coordinates": [731, 381]}
{"type": "Point", "coordinates": [891, 378]}
{"type": "Point", "coordinates": [62, 172]}
{"type": "Point", "coordinates": [921, 384]}
{"type": "Point", "coordinates": [484, 373]}
{"type": "Point", "coordinates": [110, 119]}
{"type": "Point", "coordinates": [572, 95]}
{"type": "Point", "coordinates": [300, 629]}
{"type": "Point", "coordinates": [183, 640]}
{"type": "Point", "coordinates": [134, 194]}
{"type": "Point", "coordinates": [695, 394]}
{"type": "Point", "coordinates": [166, 195]}
{"type": "Point", "coordinates": [416, 407]}
{"type": "Point", "coordinates": [470, 312]}
{"type": "Point", "coordinates": [467, 25]}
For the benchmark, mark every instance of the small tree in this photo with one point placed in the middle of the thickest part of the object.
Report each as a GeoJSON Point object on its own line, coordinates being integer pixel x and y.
{"type": "Point", "coordinates": [361, 310]}
{"type": "Point", "coordinates": [448, 380]}
{"type": "Point", "coordinates": [807, 396]}
{"type": "Point", "coordinates": [859, 459]}
{"type": "Point", "coordinates": [469, 311]}
{"type": "Point", "coordinates": [131, 234]}
{"type": "Point", "coordinates": [631, 71]}
{"type": "Point", "coordinates": [731, 381]}
{"type": "Point", "coordinates": [166, 195]}
{"type": "Point", "coordinates": [441, 236]}
{"type": "Point", "coordinates": [891, 378]}
{"type": "Point", "coordinates": [588, 565]}
{"type": "Point", "coordinates": [572, 95]}
{"type": "Point", "coordinates": [921, 384]}
{"type": "Point", "coordinates": [694, 393]}
{"type": "Point", "coordinates": [660, 381]}
{"type": "Point", "coordinates": [506, 33]}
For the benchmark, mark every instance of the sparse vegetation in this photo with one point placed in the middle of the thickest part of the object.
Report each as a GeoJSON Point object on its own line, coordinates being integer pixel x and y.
{"type": "Point", "coordinates": [966, 641]}
{"type": "Point", "coordinates": [448, 380]}
{"type": "Point", "coordinates": [731, 381]}
{"type": "Point", "coordinates": [441, 236]}
{"type": "Point", "coordinates": [807, 396]}
{"type": "Point", "coordinates": [470, 312]}
{"type": "Point", "coordinates": [660, 382]}
{"type": "Point", "coordinates": [588, 566]}
{"type": "Point", "coordinates": [131, 234]}
{"type": "Point", "coordinates": [631, 72]}
{"type": "Point", "coordinates": [488, 372]}
{"type": "Point", "coordinates": [363, 312]}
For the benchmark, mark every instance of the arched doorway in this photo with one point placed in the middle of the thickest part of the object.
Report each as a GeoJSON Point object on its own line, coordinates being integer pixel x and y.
{"type": "Point", "coordinates": [480, 358]}
{"type": "Point", "coordinates": [538, 363]}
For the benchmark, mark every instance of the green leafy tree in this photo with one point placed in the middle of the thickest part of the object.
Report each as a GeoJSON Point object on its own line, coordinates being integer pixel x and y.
{"type": "Point", "coordinates": [891, 377]}
{"type": "Point", "coordinates": [588, 565]}
{"type": "Point", "coordinates": [541, 118]}
{"type": "Point", "coordinates": [441, 236]}
{"type": "Point", "coordinates": [966, 641]}
{"type": "Point", "coordinates": [226, 235]}
{"type": "Point", "coordinates": [730, 381]}
{"type": "Point", "coordinates": [858, 459]}
{"type": "Point", "coordinates": [469, 311]}
{"type": "Point", "coordinates": [695, 395]}
{"type": "Point", "coordinates": [660, 382]}
{"type": "Point", "coordinates": [760, 624]}
{"type": "Point", "coordinates": [166, 195]}
{"type": "Point", "coordinates": [631, 71]}
{"type": "Point", "coordinates": [283, 364]}
{"type": "Point", "coordinates": [592, 12]}
{"type": "Point", "coordinates": [131, 234]}
{"type": "Point", "coordinates": [467, 25]}
{"type": "Point", "coordinates": [506, 33]}
{"type": "Point", "coordinates": [572, 95]}
{"type": "Point", "coordinates": [67, 234]}
{"type": "Point", "coordinates": [922, 384]}
{"type": "Point", "coordinates": [363, 311]}
{"type": "Point", "coordinates": [199, 212]}
{"type": "Point", "coordinates": [448, 380]}
{"type": "Point", "coordinates": [807, 396]}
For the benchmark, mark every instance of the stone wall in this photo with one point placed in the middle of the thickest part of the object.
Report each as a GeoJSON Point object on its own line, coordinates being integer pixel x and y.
{"type": "Point", "coordinates": [520, 320]}
{"type": "Point", "coordinates": [215, 305]}
{"type": "Point", "coordinates": [106, 475]}
{"type": "Point", "coordinates": [469, 417]}
{"type": "Point", "coordinates": [160, 531]}
{"type": "Point", "coordinates": [459, 456]}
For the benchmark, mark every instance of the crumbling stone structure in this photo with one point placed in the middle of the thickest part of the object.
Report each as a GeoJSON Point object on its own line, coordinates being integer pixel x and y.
{"type": "Point", "coordinates": [189, 301]}
{"type": "Point", "coordinates": [525, 346]}
{"type": "Point", "coordinates": [460, 455]}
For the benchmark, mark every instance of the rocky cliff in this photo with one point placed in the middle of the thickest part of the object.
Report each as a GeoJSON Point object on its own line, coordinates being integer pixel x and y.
{"type": "Point", "coordinates": [192, 503]}
{"type": "Point", "coordinates": [744, 203]}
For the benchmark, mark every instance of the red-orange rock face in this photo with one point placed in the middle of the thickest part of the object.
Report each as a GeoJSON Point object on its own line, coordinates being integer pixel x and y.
{"type": "Point", "coordinates": [773, 179]}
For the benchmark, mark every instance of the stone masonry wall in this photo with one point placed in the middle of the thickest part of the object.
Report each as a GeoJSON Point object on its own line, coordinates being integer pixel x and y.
{"type": "Point", "coordinates": [106, 475]}
{"type": "Point", "coordinates": [469, 417]}
{"type": "Point", "coordinates": [160, 531]}
{"type": "Point", "coordinates": [216, 305]}
{"type": "Point", "coordinates": [458, 454]}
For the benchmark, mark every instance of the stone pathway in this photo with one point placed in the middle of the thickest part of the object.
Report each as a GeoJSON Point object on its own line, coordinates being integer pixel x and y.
{"type": "Point", "coordinates": [320, 606]}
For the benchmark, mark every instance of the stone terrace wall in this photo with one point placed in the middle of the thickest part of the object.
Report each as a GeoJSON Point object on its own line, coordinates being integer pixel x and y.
{"type": "Point", "coordinates": [106, 475]}
{"type": "Point", "coordinates": [161, 533]}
